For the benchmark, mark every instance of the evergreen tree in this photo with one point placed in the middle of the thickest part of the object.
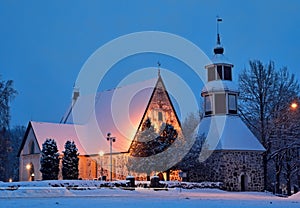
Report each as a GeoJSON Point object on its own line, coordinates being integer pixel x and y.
{"type": "Point", "coordinates": [50, 160]}
{"type": "Point", "coordinates": [70, 161]}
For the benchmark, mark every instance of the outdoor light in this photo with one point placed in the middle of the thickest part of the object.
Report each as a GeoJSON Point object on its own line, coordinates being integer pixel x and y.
{"type": "Point", "coordinates": [111, 140]}
{"type": "Point", "coordinates": [294, 105]}
{"type": "Point", "coordinates": [101, 153]}
{"type": "Point", "coordinates": [28, 166]}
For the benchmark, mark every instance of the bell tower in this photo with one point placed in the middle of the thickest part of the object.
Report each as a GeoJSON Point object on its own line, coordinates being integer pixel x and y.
{"type": "Point", "coordinates": [220, 94]}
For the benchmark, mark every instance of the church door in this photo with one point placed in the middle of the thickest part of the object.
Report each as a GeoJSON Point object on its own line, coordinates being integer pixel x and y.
{"type": "Point", "coordinates": [244, 182]}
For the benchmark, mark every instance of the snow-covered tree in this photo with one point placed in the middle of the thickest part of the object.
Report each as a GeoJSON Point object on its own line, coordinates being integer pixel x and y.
{"type": "Point", "coordinates": [148, 144]}
{"type": "Point", "coordinates": [264, 93]}
{"type": "Point", "coordinates": [70, 161]}
{"type": "Point", "coordinates": [285, 148]}
{"type": "Point", "coordinates": [50, 160]}
{"type": "Point", "coordinates": [7, 93]}
{"type": "Point", "coordinates": [190, 123]}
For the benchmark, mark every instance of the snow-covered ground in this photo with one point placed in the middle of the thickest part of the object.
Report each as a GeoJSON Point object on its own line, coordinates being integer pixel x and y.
{"type": "Point", "coordinates": [41, 194]}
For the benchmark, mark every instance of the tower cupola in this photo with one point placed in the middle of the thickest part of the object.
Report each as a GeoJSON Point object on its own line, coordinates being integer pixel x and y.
{"type": "Point", "coordinates": [220, 94]}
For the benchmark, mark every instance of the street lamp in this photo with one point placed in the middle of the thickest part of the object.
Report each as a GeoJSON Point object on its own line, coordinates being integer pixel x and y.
{"type": "Point", "coordinates": [101, 153]}
{"type": "Point", "coordinates": [294, 105]}
{"type": "Point", "coordinates": [111, 140]}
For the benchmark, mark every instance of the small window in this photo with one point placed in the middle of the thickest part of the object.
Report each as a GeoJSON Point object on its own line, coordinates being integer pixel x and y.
{"type": "Point", "coordinates": [220, 103]}
{"type": "Point", "coordinates": [211, 73]}
{"type": "Point", "coordinates": [219, 70]}
{"type": "Point", "coordinates": [31, 147]}
{"type": "Point", "coordinates": [208, 105]}
{"type": "Point", "coordinates": [227, 73]}
{"type": "Point", "coordinates": [232, 105]}
{"type": "Point", "coordinates": [160, 116]}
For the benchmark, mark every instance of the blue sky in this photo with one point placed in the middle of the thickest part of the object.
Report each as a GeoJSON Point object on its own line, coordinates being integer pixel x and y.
{"type": "Point", "coordinates": [44, 44]}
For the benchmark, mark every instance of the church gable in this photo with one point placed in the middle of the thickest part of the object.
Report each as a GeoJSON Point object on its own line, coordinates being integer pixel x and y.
{"type": "Point", "coordinates": [159, 127]}
{"type": "Point", "coordinates": [30, 144]}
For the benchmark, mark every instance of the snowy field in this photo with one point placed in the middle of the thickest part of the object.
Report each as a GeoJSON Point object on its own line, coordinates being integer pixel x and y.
{"type": "Point", "coordinates": [40, 194]}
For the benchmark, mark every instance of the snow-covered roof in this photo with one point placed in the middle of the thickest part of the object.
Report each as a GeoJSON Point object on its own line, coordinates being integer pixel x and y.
{"type": "Point", "coordinates": [219, 86]}
{"type": "Point", "coordinates": [118, 111]}
{"type": "Point", "coordinates": [225, 132]}
{"type": "Point", "coordinates": [220, 59]}
{"type": "Point", "coordinates": [59, 132]}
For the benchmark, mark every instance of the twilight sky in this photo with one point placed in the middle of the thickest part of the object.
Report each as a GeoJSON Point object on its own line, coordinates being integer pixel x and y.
{"type": "Point", "coordinates": [44, 44]}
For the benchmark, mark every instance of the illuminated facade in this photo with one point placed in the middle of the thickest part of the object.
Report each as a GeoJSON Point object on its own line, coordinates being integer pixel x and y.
{"type": "Point", "coordinates": [150, 102]}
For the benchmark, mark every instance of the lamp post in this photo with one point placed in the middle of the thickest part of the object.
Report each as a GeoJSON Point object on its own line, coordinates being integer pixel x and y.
{"type": "Point", "coordinates": [111, 140]}
{"type": "Point", "coordinates": [101, 153]}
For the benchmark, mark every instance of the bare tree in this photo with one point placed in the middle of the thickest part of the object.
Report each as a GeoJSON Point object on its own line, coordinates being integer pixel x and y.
{"type": "Point", "coordinates": [264, 92]}
{"type": "Point", "coordinates": [7, 93]}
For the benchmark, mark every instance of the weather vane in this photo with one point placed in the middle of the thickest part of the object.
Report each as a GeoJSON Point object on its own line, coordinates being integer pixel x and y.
{"type": "Point", "coordinates": [218, 35]}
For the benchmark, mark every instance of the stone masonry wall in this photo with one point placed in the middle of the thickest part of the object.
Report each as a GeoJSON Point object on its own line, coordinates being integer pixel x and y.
{"type": "Point", "coordinates": [238, 170]}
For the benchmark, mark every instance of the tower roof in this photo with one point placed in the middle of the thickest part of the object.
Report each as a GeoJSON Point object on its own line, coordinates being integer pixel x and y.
{"type": "Point", "coordinates": [228, 133]}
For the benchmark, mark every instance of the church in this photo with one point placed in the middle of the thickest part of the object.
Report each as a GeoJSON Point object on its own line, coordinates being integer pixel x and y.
{"type": "Point", "coordinates": [134, 130]}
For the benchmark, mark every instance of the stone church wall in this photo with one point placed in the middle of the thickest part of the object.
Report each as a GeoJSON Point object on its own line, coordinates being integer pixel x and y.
{"type": "Point", "coordinates": [238, 170]}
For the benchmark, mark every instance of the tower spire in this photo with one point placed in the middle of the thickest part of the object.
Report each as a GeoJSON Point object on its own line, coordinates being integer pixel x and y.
{"type": "Point", "coordinates": [218, 49]}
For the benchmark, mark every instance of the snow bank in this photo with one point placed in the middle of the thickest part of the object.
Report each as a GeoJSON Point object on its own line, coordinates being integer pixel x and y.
{"type": "Point", "coordinates": [295, 196]}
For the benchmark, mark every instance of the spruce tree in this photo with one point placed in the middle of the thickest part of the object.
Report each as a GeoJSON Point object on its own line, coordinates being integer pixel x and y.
{"type": "Point", "coordinates": [70, 161]}
{"type": "Point", "coordinates": [50, 160]}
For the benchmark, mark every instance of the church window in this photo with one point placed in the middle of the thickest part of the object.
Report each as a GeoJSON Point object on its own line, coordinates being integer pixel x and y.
{"type": "Point", "coordinates": [220, 100]}
{"type": "Point", "coordinates": [208, 105]}
{"type": "Point", "coordinates": [211, 73]}
{"type": "Point", "coordinates": [232, 105]}
{"type": "Point", "coordinates": [31, 147]}
{"type": "Point", "coordinates": [219, 70]}
{"type": "Point", "coordinates": [227, 73]}
{"type": "Point", "coordinates": [160, 116]}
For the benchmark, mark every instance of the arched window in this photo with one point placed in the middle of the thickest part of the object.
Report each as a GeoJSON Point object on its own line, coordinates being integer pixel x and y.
{"type": "Point", "coordinates": [31, 147]}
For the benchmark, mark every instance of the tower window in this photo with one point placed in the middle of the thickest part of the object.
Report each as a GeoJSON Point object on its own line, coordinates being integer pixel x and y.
{"type": "Point", "coordinates": [232, 105]}
{"type": "Point", "coordinates": [219, 70]}
{"type": "Point", "coordinates": [211, 73]}
{"type": "Point", "coordinates": [160, 116]}
{"type": "Point", "coordinates": [220, 100]}
{"type": "Point", "coordinates": [227, 73]}
{"type": "Point", "coordinates": [208, 105]}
